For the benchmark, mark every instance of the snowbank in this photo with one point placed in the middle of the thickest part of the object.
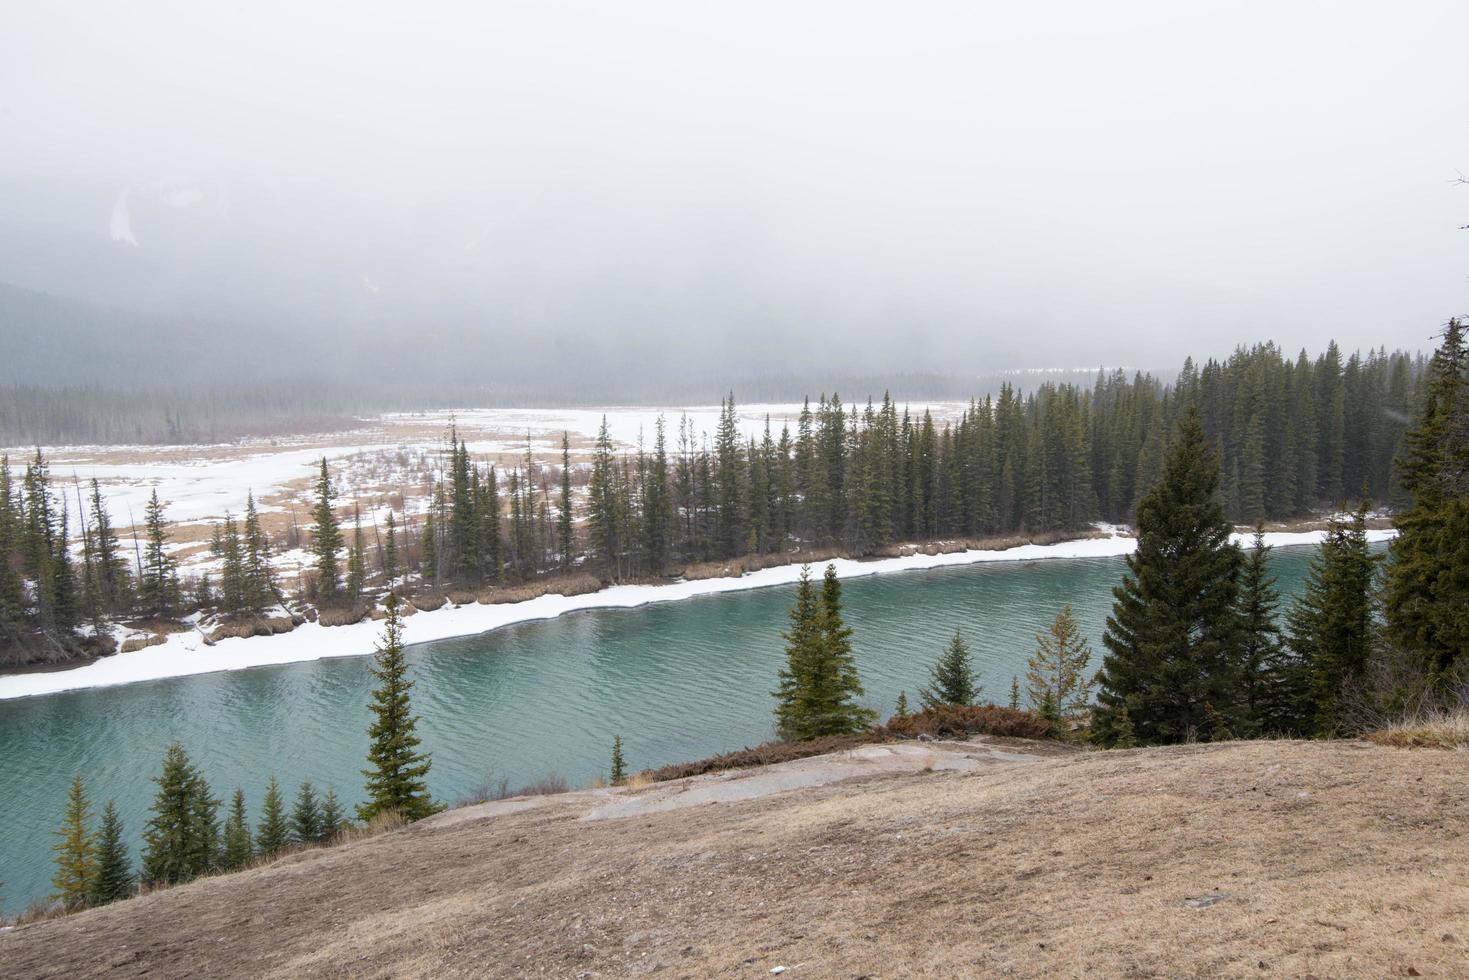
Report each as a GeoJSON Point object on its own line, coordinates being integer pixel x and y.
{"type": "Point", "coordinates": [185, 653]}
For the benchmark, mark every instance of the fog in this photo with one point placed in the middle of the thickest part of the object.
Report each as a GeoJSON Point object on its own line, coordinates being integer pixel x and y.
{"type": "Point", "coordinates": [745, 189]}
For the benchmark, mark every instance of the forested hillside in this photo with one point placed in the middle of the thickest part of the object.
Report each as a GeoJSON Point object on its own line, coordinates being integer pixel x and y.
{"type": "Point", "coordinates": [1292, 435]}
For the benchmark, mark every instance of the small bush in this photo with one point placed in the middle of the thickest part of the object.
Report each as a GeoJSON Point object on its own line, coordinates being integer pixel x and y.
{"type": "Point", "coordinates": [962, 721]}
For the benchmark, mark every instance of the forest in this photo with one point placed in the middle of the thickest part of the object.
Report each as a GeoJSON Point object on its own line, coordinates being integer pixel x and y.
{"type": "Point", "coordinates": [1293, 436]}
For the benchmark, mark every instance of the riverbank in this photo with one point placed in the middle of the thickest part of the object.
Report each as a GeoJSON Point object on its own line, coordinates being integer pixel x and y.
{"type": "Point", "coordinates": [184, 654]}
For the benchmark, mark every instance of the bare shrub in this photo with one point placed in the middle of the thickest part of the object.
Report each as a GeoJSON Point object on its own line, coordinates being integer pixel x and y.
{"type": "Point", "coordinates": [1443, 730]}
{"type": "Point", "coordinates": [341, 617]}
{"type": "Point", "coordinates": [493, 789]}
{"type": "Point", "coordinates": [962, 721]}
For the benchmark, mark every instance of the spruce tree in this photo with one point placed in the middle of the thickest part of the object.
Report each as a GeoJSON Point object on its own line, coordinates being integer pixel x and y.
{"type": "Point", "coordinates": [181, 836]}
{"type": "Point", "coordinates": [1330, 625]}
{"type": "Point", "coordinates": [1427, 595]}
{"type": "Point", "coordinates": [1014, 693]}
{"type": "Point", "coordinates": [618, 765]}
{"type": "Point", "coordinates": [563, 509]}
{"type": "Point", "coordinates": [76, 850]}
{"type": "Point", "coordinates": [157, 587]}
{"type": "Point", "coordinates": [238, 847]}
{"type": "Point", "coordinates": [836, 684]}
{"type": "Point", "coordinates": [1057, 671]}
{"type": "Point", "coordinates": [951, 679]}
{"type": "Point", "coordinates": [332, 819]}
{"type": "Point", "coordinates": [273, 833]}
{"type": "Point", "coordinates": [113, 879]}
{"type": "Point", "coordinates": [259, 584]}
{"type": "Point", "coordinates": [1265, 674]}
{"type": "Point", "coordinates": [356, 559]}
{"type": "Point", "coordinates": [306, 816]}
{"type": "Point", "coordinates": [1173, 638]}
{"type": "Point", "coordinates": [901, 709]}
{"type": "Point", "coordinates": [390, 553]}
{"type": "Point", "coordinates": [793, 719]}
{"type": "Point", "coordinates": [396, 779]}
{"type": "Point", "coordinates": [326, 539]}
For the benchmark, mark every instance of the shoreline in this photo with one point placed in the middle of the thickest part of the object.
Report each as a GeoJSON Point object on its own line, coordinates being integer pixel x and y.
{"type": "Point", "coordinates": [184, 654]}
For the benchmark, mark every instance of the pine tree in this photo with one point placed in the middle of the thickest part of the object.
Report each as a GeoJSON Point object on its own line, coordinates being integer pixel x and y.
{"type": "Point", "coordinates": [233, 583]}
{"type": "Point", "coordinates": [803, 648]}
{"type": "Point", "coordinates": [332, 818]}
{"type": "Point", "coordinates": [1173, 637]}
{"type": "Point", "coordinates": [1331, 623]}
{"type": "Point", "coordinates": [1057, 671]}
{"type": "Point", "coordinates": [430, 568]}
{"type": "Point", "coordinates": [563, 510]}
{"type": "Point", "coordinates": [1014, 693]}
{"type": "Point", "coordinates": [76, 850]}
{"type": "Point", "coordinates": [259, 583]}
{"type": "Point", "coordinates": [951, 679]}
{"type": "Point", "coordinates": [273, 833]}
{"type": "Point", "coordinates": [618, 765]}
{"type": "Point", "coordinates": [158, 567]}
{"type": "Point", "coordinates": [390, 552]}
{"type": "Point", "coordinates": [181, 836]}
{"type": "Point", "coordinates": [1427, 596]}
{"type": "Point", "coordinates": [326, 539]}
{"type": "Point", "coordinates": [396, 779]}
{"type": "Point", "coordinates": [1266, 675]}
{"type": "Point", "coordinates": [113, 879]}
{"type": "Point", "coordinates": [356, 559]}
{"type": "Point", "coordinates": [901, 711]}
{"type": "Point", "coordinates": [238, 846]}
{"type": "Point", "coordinates": [306, 816]}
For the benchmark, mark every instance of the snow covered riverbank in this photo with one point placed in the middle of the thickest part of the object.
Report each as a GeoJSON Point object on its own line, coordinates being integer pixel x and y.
{"type": "Point", "coordinates": [185, 653]}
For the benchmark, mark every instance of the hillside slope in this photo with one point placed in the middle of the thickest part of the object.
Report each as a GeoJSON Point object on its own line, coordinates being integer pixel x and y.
{"type": "Point", "coordinates": [1001, 858]}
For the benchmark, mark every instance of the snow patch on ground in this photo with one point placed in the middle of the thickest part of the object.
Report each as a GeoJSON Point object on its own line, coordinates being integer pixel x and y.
{"type": "Point", "coordinates": [184, 654]}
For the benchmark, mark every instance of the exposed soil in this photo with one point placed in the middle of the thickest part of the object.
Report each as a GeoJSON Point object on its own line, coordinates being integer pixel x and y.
{"type": "Point", "coordinates": [992, 859]}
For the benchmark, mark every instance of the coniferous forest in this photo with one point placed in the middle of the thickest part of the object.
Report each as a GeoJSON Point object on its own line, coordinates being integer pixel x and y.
{"type": "Point", "coordinates": [1292, 436]}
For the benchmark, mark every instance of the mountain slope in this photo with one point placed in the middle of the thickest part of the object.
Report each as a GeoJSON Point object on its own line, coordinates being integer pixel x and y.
{"type": "Point", "coordinates": [1259, 859]}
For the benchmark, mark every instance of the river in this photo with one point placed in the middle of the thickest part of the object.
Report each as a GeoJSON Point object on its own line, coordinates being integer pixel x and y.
{"type": "Point", "coordinates": [677, 681]}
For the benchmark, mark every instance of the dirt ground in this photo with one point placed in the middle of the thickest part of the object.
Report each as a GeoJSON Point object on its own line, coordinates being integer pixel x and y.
{"type": "Point", "coordinates": [999, 859]}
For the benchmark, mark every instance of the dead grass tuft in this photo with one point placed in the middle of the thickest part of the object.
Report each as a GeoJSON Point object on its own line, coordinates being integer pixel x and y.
{"type": "Point", "coordinates": [1443, 730]}
{"type": "Point", "coordinates": [962, 721]}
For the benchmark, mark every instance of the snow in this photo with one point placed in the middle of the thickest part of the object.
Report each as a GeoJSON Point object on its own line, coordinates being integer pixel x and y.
{"type": "Point", "coordinates": [186, 654]}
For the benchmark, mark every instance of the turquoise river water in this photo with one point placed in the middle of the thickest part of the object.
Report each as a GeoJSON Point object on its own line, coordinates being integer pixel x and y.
{"type": "Point", "coordinates": [677, 681]}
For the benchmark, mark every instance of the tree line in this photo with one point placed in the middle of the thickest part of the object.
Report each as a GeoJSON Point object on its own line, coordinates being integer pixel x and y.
{"type": "Point", "coordinates": [1290, 436]}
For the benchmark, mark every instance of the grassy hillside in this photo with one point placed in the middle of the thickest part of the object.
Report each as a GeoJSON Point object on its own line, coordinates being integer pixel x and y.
{"type": "Point", "coordinates": [1006, 858]}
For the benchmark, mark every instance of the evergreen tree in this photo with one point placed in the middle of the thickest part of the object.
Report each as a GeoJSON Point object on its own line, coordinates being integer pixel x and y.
{"type": "Point", "coordinates": [76, 850]}
{"type": "Point", "coordinates": [1267, 675]}
{"type": "Point", "coordinates": [233, 584]}
{"type": "Point", "coordinates": [159, 570]}
{"type": "Point", "coordinates": [951, 679]}
{"type": "Point", "coordinates": [181, 836]}
{"type": "Point", "coordinates": [563, 510]}
{"type": "Point", "coordinates": [356, 559]}
{"type": "Point", "coordinates": [602, 524]}
{"type": "Point", "coordinates": [1173, 637]}
{"type": "Point", "coordinates": [238, 847]}
{"type": "Point", "coordinates": [259, 591]}
{"type": "Point", "coordinates": [306, 816]}
{"type": "Point", "coordinates": [332, 818]}
{"type": "Point", "coordinates": [901, 711]}
{"type": "Point", "coordinates": [619, 772]}
{"type": "Point", "coordinates": [390, 552]}
{"type": "Point", "coordinates": [1427, 596]}
{"type": "Point", "coordinates": [273, 833]}
{"type": "Point", "coordinates": [113, 879]}
{"type": "Point", "coordinates": [430, 569]}
{"type": "Point", "coordinates": [819, 684]}
{"type": "Point", "coordinates": [395, 781]}
{"type": "Point", "coordinates": [1057, 672]}
{"type": "Point", "coordinates": [1331, 623]}
{"type": "Point", "coordinates": [1014, 693]}
{"type": "Point", "coordinates": [326, 539]}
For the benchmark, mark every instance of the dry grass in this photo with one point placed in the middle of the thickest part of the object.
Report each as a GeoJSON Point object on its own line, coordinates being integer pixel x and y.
{"type": "Point", "coordinates": [1281, 858]}
{"type": "Point", "coordinates": [1444, 730]}
{"type": "Point", "coordinates": [499, 789]}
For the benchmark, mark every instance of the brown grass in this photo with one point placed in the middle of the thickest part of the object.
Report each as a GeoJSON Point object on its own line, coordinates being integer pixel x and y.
{"type": "Point", "coordinates": [1445, 730]}
{"type": "Point", "coordinates": [1332, 859]}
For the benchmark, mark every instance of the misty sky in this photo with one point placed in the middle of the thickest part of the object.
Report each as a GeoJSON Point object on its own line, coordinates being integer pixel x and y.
{"type": "Point", "coordinates": [953, 186]}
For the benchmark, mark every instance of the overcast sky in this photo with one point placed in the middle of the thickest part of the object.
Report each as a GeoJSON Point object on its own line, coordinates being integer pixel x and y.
{"type": "Point", "coordinates": [954, 186]}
